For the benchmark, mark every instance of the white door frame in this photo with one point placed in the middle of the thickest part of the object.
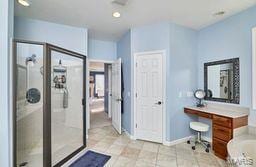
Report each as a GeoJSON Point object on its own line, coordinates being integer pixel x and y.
{"type": "Point", "coordinates": [117, 95]}
{"type": "Point", "coordinates": [109, 90]}
{"type": "Point", "coordinates": [134, 80]}
{"type": "Point", "coordinates": [101, 61]}
{"type": "Point", "coordinates": [253, 68]}
{"type": "Point", "coordinates": [88, 123]}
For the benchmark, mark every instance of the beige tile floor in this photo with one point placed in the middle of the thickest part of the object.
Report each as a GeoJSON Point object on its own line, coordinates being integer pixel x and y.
{"type": "Point", "coordinates": [98, 117]}
{"type": "Point", "coordinates": [127, 152]}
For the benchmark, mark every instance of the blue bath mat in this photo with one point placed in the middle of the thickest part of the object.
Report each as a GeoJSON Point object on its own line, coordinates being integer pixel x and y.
{"type": "Point", "coordinates": [91, 159]}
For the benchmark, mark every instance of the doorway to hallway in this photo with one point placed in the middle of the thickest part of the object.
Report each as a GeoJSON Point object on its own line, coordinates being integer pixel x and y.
{"type": "Point", "coordinates": [105, 97]}
{"type": "Point", "coordinates": [99, 94]}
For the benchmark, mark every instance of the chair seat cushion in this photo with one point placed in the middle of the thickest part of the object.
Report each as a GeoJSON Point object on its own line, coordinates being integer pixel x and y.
{"type": "Point", "coordinates": [198, 126]}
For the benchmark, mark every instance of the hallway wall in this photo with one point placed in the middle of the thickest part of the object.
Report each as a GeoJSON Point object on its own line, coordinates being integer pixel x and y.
{"type": "Point", "coordinates": [102, 50]}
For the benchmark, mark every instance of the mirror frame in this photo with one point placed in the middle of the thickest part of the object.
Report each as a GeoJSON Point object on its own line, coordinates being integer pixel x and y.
{"type": "Point", "coordinates": [236, 81]}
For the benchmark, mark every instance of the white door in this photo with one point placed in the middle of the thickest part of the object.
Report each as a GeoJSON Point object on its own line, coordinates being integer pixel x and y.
{"type": "Point", "coordinates": [149, 98]}
{"type": "Point", "coordinates": [116, 95]}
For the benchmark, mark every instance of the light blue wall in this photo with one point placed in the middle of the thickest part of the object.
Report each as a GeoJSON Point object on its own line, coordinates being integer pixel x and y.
{"type": "Point", "coordinates": [180, 44]}
{"type": "Point", "coordinates": [149, 38]}
{"type": "Point", "coordinates": [68, 37]}
{"type": "Point", "coordinates": [124, 52]}
{"type": "Point", "coordinates": [6, 33]}
{"type": "Point", "coordinates": [102, 50]}
{"type": "Point", "coordinates": [230, 38]}
{"type": "Point", "coordinates": [182, 78]}
{"type": "Point", "coordinates": [187, 51]}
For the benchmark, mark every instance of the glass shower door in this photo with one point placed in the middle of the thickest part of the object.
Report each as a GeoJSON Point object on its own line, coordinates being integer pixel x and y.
{"type": "Point", "coordinates": [28, 104]}
{"type": "Point", "coordinates": [49, 125]}
{"type": "Point", "coordinates": [67, 109]}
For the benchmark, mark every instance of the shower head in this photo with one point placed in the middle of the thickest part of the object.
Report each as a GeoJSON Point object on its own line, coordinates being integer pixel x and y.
{"type": "Point", "coordinates": [31, 60]}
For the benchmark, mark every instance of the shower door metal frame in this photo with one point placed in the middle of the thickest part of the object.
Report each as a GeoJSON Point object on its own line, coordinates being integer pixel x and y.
{"type": "Point", "coordinates": [47, 151]}
{"type": "Point", "coordinates": [47, 116]}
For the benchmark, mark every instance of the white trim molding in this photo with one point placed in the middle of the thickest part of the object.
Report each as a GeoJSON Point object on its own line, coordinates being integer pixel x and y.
{"type": "Point", "coordinates": [109, 91]}
{"type": "Point", "coordinates": [254, 68]}
{"type": "Point", "coordinates": [101, 61]}
{"type": "Point", "coordinates": [128, 134]}
{"type": "Point", "coordinates": [207, 139]}
{"type": "Point", "coordinates": [133, 89]}
{"type": "Point", "coordinates": [87, 96]}
{"type": "Point", "coordinates": [184, 140]}
{"type": "Point", "coordinates": [178, 141]}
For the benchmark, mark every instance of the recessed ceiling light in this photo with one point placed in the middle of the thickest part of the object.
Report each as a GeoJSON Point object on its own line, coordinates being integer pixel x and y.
{"type": "Point", "coordinates": [116, 14]}
{"type": "Point", "coordinates": [24, 2]}
{"type": "Point", "coordinates": [220, 13]}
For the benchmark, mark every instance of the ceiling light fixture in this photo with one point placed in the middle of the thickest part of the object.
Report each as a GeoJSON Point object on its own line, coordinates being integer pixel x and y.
{"type": "Point", "coordinates": [220, 13]}
{"type": "Point", "coordinates": [24, 2]}
{"type": "Point", "coordinates": [116, 14]}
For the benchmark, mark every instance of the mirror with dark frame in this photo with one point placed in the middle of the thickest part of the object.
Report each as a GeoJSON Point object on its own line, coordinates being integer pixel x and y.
{"type": "Point", "coordinates": [221, 81]}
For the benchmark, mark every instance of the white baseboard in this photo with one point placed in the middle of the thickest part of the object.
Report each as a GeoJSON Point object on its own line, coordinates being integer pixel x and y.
{"type": "Point", "coordinates": [207, 139]}
{"type": "Point", "coordinates": [185, 139]}
{"type": "Point", "coordinates": [128, 134]}
{"type": "Point", "coordinates": [170, 143]}
{"type": "Point", "coordinates": [166, 143]}
{"type": "Point", "coordinates": [174, 142]}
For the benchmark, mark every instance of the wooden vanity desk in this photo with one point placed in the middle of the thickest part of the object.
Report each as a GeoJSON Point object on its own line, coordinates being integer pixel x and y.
{"type": "Point", "coordinates": [224, 125]}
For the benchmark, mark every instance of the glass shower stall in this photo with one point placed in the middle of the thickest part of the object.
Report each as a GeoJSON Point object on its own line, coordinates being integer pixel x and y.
{"type": "Point", "coordinates": [49, 104]}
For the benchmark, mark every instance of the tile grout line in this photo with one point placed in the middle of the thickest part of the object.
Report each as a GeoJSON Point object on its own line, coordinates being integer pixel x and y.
{"type": "Point", "coordinates": [176, 156]}
{"type": "Point", "coordinates": [157, 155]}
{"type": "Point", "coordinates": [197, 160]}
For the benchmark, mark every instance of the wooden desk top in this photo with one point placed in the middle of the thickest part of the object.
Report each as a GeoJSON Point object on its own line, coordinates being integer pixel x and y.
{"type": "Point", "coordinates": [220, 112]}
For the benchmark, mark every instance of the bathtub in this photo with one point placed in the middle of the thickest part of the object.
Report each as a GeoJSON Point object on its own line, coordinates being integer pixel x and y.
{"type": "Point", "coordinates": [242, 151]}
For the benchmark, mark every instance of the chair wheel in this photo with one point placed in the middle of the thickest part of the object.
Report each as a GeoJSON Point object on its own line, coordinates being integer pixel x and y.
{"type": "Point", "coordinates": [207, 150]}
{"type": "Point", "coordinates": [208, 145]}
{"type": "Point", "coordinates": [188, 142]}
{"type": "Point", "coordinates": [193, 147]}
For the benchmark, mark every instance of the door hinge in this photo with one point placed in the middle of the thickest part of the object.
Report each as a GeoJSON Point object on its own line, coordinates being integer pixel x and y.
{"type": "Point", "coordinates": [136, 95]}
{"type": "Point", "coordinates": [136, 64]}
{"type": "Point", "coordinates": [136, 126]}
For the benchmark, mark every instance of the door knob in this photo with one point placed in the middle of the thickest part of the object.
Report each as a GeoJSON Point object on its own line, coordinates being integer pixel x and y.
{"type": "Point", "coordinates": [118, 99]}
{"type": "Point", "coordinates": [159, 103]}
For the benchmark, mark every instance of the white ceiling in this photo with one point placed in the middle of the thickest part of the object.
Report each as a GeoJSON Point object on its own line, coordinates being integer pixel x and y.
{"type": "Point", "coordinates": [96, 15]}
